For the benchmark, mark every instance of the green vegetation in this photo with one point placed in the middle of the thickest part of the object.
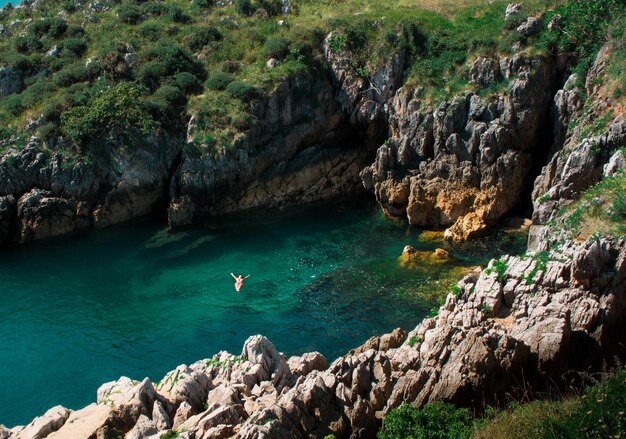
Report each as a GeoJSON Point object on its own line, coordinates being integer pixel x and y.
{"type": "Point", "coordinates": [436, 420]}
{"type": "Point", "coordinates": [171, 434]}
{"type": "Point", "coordinates": [179, 57]}
{"type": "Point", "coordinates": [541, 261]}
{"type": "Point", "coordinates": [498, 267]}
{"type": "Point", "coordinates": [580, 27]}
{"type": "Point", "coordinates": [596, 413]}
{"type": "Point", "coordinates": [601, 209]}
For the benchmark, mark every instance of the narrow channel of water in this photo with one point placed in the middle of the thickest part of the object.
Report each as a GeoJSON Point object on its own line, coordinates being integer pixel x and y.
{"type": "Point", "coordinates": [137, 300]}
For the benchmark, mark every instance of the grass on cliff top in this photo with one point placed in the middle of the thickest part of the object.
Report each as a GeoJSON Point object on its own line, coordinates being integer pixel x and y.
{"type": "Point", "coordinates": [598, 412]}
{"type": "Point", "coordinates": [600, 210]}
{"type": "Point", "coordinates": [194, 57]}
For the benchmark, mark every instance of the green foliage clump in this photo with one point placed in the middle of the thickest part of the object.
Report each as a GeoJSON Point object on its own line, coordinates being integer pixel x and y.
{"type": "Point", "coordinates": [168, 100]}
{"type": "Point", "coordinates": [276, 47]}
{"type": "Point", "coordinates": [202, 37]}
{"type": "Point", "coordinates": [203, 4]}
{"type": "Point", "coordinates": [580, 27]}
{"type": "Point", "coordinates": [218, 81]}
{"type": "Point", "coordinates": [74, 46]}
{"type": "Point", "coordinates": [600, 209]}
{"type": "Point", "coordinates": [600, 412]}
{"type": "Point", "coordinates": [48, 27]}
{"type": "Point", "coordinates": [115, 113]}
{"type": "Point", "coordinates": [437, 420]}
{"type": "Point", "coordinates": [242, 90]}
{"type": "Point", "coordinates": [70, 75]}
{"type": "Point", "coordinates": [27, 44]}
{"type": "Point", "coordinates": [188, 83]}
{"type": "Point", "coordinates": [498, 267]}
{"type": "Point", "coordinates": [128, 12]}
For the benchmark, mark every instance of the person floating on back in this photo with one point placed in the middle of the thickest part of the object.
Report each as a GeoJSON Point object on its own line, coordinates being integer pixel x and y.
{"type": "Point", "coordinates": [239, 281]}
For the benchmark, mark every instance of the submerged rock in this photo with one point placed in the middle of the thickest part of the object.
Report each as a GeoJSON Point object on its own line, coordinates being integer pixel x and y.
{"type": "Point", "coordinates": [415, 258]}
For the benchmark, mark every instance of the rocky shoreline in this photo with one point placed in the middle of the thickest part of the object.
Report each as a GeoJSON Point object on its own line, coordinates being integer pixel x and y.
{"type": "Point", "coordinates": [522, 323]}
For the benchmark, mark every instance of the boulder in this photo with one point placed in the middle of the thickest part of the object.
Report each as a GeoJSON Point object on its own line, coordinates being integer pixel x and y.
{"type": "Point", "coordinates": [85, 423]}
{"type": "Point", "coordinates": [44, 425]}
{"type": "Point", "coordinates": [143, 429]}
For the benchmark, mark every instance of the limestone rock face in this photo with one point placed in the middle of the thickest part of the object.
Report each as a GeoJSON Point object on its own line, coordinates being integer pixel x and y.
{"type": "Point", "coordinates": [8, 214]}
{"type": "Point", "coordinates": [43, 195]}
{"type": "Point", "coordinates": [577, 162]}
{"type": "Point", "coordinates": [464, 164]}
{"type": "Point", "coordinates": [44, 425]}
{"type": "Point", "coordinates": [10, 81]}
{"type": "Point", "coordinates": [299, 152]}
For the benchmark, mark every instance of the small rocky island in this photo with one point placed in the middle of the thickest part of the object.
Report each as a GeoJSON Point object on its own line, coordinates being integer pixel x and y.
{"type": "Point", "coordinates": [450, 133]}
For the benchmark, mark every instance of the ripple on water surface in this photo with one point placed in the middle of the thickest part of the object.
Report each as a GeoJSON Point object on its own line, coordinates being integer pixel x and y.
{"type": "Point", "coordinates": [138, 300]}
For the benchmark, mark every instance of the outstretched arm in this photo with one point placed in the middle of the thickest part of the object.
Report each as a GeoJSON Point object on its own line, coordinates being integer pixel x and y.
{"type": "Point", "coordinates": [234, 277]}
{"type": "Point", "coordinates": [247, 277]}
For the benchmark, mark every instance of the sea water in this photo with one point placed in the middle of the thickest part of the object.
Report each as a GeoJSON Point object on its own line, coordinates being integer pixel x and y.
{"type": "Point", "coordinates": [138, 300]}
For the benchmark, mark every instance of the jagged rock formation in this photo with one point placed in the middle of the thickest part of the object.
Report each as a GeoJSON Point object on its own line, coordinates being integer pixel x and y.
{"type": "Point", "coordinates": [522, 322]}
{"type": "Point", "coordinates": [464, 164]}
{"type": "Point", "coordinates": [290, 157]}
{"type": "Point", "coordinates": [577, 161]}
{"type": "Point", "coordinates": [44, 194]}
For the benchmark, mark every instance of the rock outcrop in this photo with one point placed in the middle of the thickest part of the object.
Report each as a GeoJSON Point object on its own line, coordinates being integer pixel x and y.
{"type": "Point", "coordinates": [578, 156]}
{"type": "Point", "coordinates": [521, 323]}
{"type": "Point", "coordinates": [464, 165]}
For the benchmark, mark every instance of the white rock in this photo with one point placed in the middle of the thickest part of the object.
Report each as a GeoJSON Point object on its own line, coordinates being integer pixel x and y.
{"type": "Point", "coordinates": [42, 426]}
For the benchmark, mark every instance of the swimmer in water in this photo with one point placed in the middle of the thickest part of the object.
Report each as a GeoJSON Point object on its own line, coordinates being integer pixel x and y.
{"type": "Point", "coordinates": [239, 281]}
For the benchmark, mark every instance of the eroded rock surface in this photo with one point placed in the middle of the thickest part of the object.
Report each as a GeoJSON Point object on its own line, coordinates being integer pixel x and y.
{"type": "Point", "coordinates": [463, 165]}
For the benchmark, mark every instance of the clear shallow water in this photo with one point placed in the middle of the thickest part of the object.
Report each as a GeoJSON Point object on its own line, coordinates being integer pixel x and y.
{"type": "Point", "coordinates": [138, 301]}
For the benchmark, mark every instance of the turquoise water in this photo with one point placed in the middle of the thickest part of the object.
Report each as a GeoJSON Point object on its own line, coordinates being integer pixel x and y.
{"type": "Point", "coordinates": [137, 300]}
{"type": "Point", "coordinates": [13, 2]}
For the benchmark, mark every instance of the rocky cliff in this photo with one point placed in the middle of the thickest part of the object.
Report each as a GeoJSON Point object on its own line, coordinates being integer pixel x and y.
{"type": "Point", "coordinates": [309, 143]}
{"type": "Point", "coordinates": [463, 164]}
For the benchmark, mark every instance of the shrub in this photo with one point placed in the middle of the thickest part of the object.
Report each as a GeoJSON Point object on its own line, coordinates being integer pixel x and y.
{"type": "Point", "coordinates": [203, 37]}
{"type": "Point", "coordinates": [75, 46]}
{"type": "Point", "coordinates": [438, 420]}
{"type": "Point", "coordinates": [188, 83]}
{"type": "Point", "coordinates": [218, 81]}
{"type": "Point", "coordinates": [244, 7]}
{"type": "Point", "coordinates": [70, 75]}
{"type": "Point", "coordinates": [153, 8]}
{"type": "Point", "coordinates": [273, 7]}
{"type": "Point", "coordinates": [276, 47]}
{"type": "Point", "coordinates": [175, 59]}
{"type": "Point", "coordinates": [27, 44]}
{"type": "Point", "coordinates": [37, 91]}
{"type": "Point", "coordinates": [242, 90]}
{"type": "Point", "coordinates": [74, 31]}
{"type": "Point", "coordinates": [16, 61]}
{"type": "Point", "coordinates": [168, 100]}
{"type": "Point", "coordinates": [175, 13]}
{"type": "Point", "coordinates": [116, 113]}
{"type": "Point", "coordinates": [204, 4]}
{"type": "Point", "coordinates": [580, 27]}
{"type": "Point", "coordinates": [51, 27]}
{"type": "Point", "coordinates": [69, 6]}
{"type": "Point", "coordinates": [128, 13]}
{"type": "Point", "coordinates": [150, 31]}
{"type": "Point", "coordinates": [12, 104]}
{"type": "Point", "coordinates": [151, 73]}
